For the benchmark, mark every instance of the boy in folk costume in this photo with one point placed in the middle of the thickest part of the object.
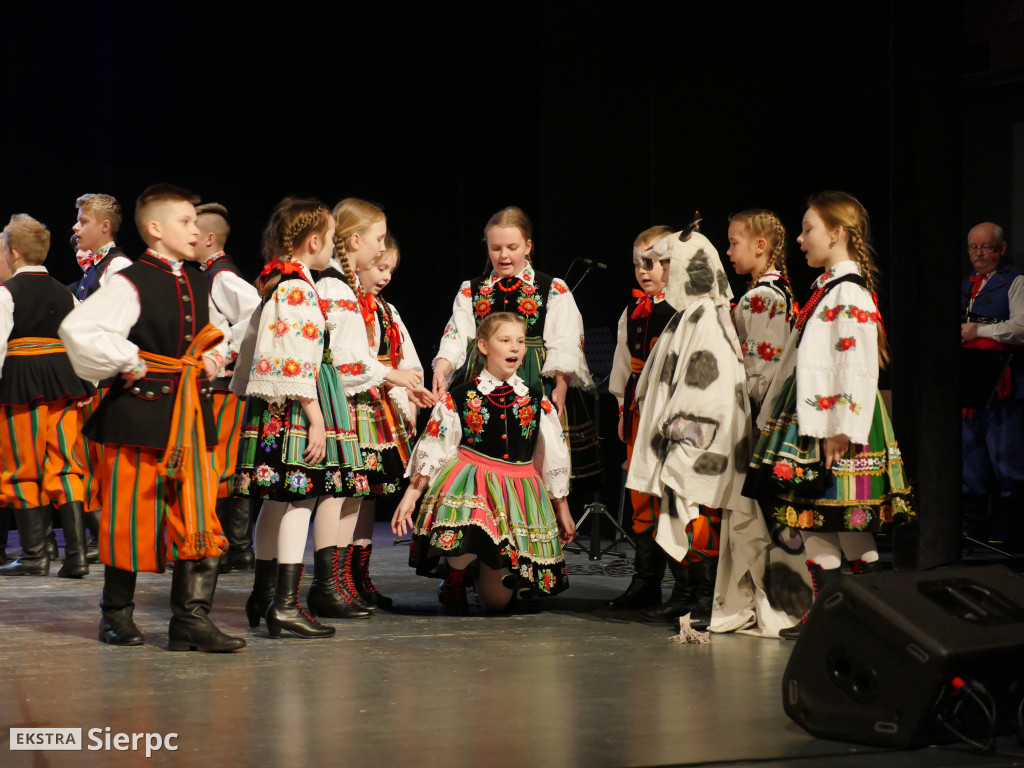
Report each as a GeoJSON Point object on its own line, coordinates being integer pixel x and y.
{"type": "Point", "coordinates": [693, 444]}
{"type": "Point", "coordinates": [95, 228]}
{"type": "Point", "coordinates": [235, 298]}
{"type": "Point", "coordinates": [151, 325]}
{"type": "Point", "coordinates": [38, 394]}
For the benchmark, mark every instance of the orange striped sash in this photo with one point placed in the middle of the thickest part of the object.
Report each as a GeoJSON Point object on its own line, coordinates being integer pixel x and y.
{"type": "Point", "coordinates": [34, 345]}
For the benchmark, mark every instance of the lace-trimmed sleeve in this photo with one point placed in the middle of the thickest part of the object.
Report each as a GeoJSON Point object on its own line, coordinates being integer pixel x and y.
{"type": "Point", "coordinates": [563, 338]}
{"type": "Point", "coordinates": [551, 456]}
{"type": "Point", "coordinates": [289, 344]}
{"type": "Point", "coordinates": [439, 441]}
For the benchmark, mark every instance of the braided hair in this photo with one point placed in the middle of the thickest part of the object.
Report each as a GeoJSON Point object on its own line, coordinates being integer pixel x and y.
{"type": "Point", "coordinates": [293, 220]}
{"type": "Point", "coordinates": [352, 216]}
{"type": "Point", "coordinates": [761, 222]}
{"type": "Point", "coordinates": [841, 209]}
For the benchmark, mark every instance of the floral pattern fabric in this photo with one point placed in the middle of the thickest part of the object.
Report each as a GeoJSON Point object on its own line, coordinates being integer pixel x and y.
{"type": "Point", "coordinates": [764, 321]}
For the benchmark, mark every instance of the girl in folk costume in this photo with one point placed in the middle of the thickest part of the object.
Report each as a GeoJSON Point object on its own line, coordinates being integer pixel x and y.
{"type": "Point", "coordinates": [343, 529]}
{"type": "Point", "coordinates": [639, 327]}
{"type": "Point", "coordinates": [554, 356]}
{"type": "Point", "coordinates": [480, 461]}
{"type": "Point", "coordinates": [298, 439]}
{"type": "Point", "coordinates": [827, 462]}
{"type": "Point", "coordinates": [764, 314]}
{"type": "Point", "coordinates": [692, 445]}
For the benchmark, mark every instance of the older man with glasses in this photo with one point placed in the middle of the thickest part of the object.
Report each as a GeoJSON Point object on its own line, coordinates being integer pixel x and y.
{"type": "Point", "coordinates": [992, 334]}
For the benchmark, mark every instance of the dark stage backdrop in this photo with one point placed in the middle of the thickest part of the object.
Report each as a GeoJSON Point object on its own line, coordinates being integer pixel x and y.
{"type": "Point", "coordinates": [599, 119]}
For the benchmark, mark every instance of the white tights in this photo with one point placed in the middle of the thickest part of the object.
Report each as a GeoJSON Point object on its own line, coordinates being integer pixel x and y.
{"type": "Point", "coordinates": [824, 548]}
{"type": "Point", "coordinates": [281, 530]}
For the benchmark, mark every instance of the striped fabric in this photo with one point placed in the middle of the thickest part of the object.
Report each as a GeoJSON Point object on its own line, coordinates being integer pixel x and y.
{"type": "Point", "coordinates": [87, 453]}
{"type": "Point", "coordinates": [145, 516]}
{"type": "Point", "coordinates": [703, 534]}
{"type": "Point", "coordinates": [227, 409]}
{"type": "Point", "coordinates": [30, 346]}
{"type": "Point", "coordinates": [645, 507]}
{"type": "Point", "coordinates": [40, 463]}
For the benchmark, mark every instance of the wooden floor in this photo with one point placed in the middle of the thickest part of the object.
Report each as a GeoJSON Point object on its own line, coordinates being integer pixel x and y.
{"type": "Point", "coordinates": [562, 683]}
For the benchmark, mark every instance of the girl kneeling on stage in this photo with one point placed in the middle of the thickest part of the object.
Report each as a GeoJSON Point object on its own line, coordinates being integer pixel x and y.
{"type": "Point", "coordinates": [480, 460]}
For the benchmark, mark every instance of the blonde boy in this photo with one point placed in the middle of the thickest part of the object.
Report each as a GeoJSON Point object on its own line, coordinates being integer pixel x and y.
{"type": "Point", "coordinates": [150, 324]}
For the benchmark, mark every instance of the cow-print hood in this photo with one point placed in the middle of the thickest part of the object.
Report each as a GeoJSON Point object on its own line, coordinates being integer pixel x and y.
{"type": "Point", "coordinates": [696, 270]}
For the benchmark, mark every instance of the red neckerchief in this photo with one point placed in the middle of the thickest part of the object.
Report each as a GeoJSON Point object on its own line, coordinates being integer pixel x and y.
{"type": "Point", "coordinates": [977, 281]}
{"type": "Point", "coordinates": [643, 307]}
{"type": "Point", "coordinates": [288, 268]}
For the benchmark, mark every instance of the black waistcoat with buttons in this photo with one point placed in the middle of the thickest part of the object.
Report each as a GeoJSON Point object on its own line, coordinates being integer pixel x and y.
{"type": "Point", "coordinates": [40, 304]}
{"type": "Point", "coordinates": [173, 309]}
{"type": "Point", "coordinates": [90, 281]}
{"type": "Point", "coordinates": [500, 424]}
{"type": "Point", "coordinates": [641, 335]}
{"type": "Point", "coordinates": [213, 268]}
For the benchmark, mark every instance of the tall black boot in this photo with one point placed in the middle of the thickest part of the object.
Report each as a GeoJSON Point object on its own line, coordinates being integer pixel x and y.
{"type": "Point", "coordinates": [703, 574]}
{"type": "Point", "coordinates": [857, 567]}
{"type": "Point", "coordinates": [327, 595]}
{"type": "Point", "coordinates": [52, 548]}
{"type": "Point", "coordinates": [34, 560]}
{"type": "Point", "coordinates": [238, 529]}
{"type": "Point", "coordinates": [819, 578]}
{"type": "Point", "coordinates": [192, 588]}
{"type": "Point", "coordinates": [360, 567]}
{"type": "Point", "coordinates": [92, 546]}
{"type": "Point", "coordinates": [117, 627]}
{"type": "Point", "coordinates": [683, 597]}
{"type": "Point", "coordinates": [263, 586]}
{"type": "Point", "coordinates": [72, 519]}
{"type": "Point", "coordinates": [5, 528]}
{"type": "Point", "coordinates": [285, 611]}
{"type": "Point", "coordinates": [644, 590]}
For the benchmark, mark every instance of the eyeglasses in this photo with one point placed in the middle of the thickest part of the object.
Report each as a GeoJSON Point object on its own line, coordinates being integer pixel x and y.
{"type": "Point", "coordinates": [974, 248]}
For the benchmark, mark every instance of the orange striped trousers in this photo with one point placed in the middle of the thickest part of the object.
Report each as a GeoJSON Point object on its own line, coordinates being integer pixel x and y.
{"type": "Point", "coordinates": [40, 464]}
{"type": "Point", "coordinates": [140, 505]}
{"type": "Point", "coordinates": [227, 410]}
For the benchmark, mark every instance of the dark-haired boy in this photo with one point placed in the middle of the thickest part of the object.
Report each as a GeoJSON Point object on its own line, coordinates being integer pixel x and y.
{"type": "Point", "coordinates": [151, 324]}
{"type": "Point", "coordinates": [235, 298]}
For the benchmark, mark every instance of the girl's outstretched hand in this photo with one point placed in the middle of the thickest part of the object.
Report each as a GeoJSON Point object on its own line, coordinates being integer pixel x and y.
{"type": "Point", "coordinates": [422, 397]}
{"type": "Point", "coordinates": [401, 521]}
{"type": "Point", "coordinates": [834, 448]}
{"type": "Point", "coordinates": [403, 377]}
{"type": "Point", "coordinates": [442, 370]}
{"type": "Point", "coordinates": [566, 525]}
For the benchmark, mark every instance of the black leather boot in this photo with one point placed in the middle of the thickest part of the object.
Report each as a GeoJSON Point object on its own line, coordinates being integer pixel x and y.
{"type": "Point", "coordinates": [452, 593]}
{"type": "Point", "coordinates": [117, 626]}
{"type": "Point", "coordinates": [857, 567]}
{"type": "Point", "coordinates": [644, 590]}
{"type": "Point", "coordinates": [683, 597]}
{"type": "Point", "coordinates": [238, 529]}
{"type": "Point", "coordinates": [819, 578]}
{"type": "Point", "coordinates": [92, 546]}
{"type": "Point", "coordinates": [34, 560]}
{"type": "Point", "coordinates": [52, 548]}
{"type": "Point", "coordinates": [285, 611]}
{"type": "Point", "coordinates": [360, 567]}
{"type": "Point", "coordinates": [72, 519]}
{"type": "Point", "coordinates": [703, 575]}
{"type": "Point", "coordinates": [327, 595]}
{"type": "Point", "coordinates": [192, 588]}
{"type": "Point", "coordinates": [221, 510]}
{"type": "Point", "coordinates": [262, 595]}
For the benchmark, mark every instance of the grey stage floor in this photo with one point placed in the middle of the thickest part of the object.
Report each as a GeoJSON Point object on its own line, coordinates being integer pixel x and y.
{"type": "Point", "coordinates": [564, 684]}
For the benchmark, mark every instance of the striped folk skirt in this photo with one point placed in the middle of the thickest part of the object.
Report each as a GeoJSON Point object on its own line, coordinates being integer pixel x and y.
{"type": "Point", "coordinates": [382, 440]}
{"type": "Point", "coordinates": [496, 510]}
{"type": "Point", "coordinates": [866, 490]}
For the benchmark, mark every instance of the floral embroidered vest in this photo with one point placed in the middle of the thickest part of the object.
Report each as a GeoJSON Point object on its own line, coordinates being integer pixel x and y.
{"type": "Point", "coordinates": [500, 424]}
{"type": "Point", "coordinates": [992, 304]}
{"type": "Point", "coordinates": [528, 300]}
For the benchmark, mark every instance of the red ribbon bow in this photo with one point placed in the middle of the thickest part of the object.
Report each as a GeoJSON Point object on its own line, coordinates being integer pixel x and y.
{"type": "Point", "coordinates": [643, 307]}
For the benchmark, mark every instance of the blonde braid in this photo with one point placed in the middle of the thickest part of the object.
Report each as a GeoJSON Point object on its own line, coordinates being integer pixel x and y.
{"type": "Point", "coordinates": [346, 267]}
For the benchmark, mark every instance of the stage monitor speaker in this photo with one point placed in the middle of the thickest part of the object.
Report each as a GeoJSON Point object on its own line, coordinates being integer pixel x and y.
{"type": "Point", "coordinates": [882, 657]}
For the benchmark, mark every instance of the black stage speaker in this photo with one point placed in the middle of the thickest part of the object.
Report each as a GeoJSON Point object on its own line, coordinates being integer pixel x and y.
{"type": "Point", "coordinates": [884, 658]}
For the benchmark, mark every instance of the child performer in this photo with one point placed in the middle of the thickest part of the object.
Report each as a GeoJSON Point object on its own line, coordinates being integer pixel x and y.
{"type": "Point", "coordinates": [96, 227]}
{"type": "Point", "coordinates": [480, 460]}
{"type": "Point", "coordinates": [343, 531]}
{"type": "Point", "coordinates": [639, 327]}
{"type": "Point", "coordinates": [694, 428]}
{"type": "Point", "coordinates": [393, 346]}
{"type": "Point", "coordinates": [298, 440]}
{"type": "Point", "coordinates": [38, 395]}
{"type": "Point", "coordinates": [151, 323]}
{"type": "Point", "coordinates": [827, 459]}
{"type": "Point", "coordinates": [554, 328]}
{"type": "Point", "coordinates": [764, 314]}
{"type": "Point", "coordinates": [236, 299]}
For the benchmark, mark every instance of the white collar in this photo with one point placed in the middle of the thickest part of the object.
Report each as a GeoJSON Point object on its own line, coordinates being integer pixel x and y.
{"type": "Point", "coordinates": [845, 267]}
{"type": "Point", "coordinates": [487, 383]}
{"type": "Point", "coordinates": [30, 268]}
{"type": "Point", "coordinates": [526, 273]}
